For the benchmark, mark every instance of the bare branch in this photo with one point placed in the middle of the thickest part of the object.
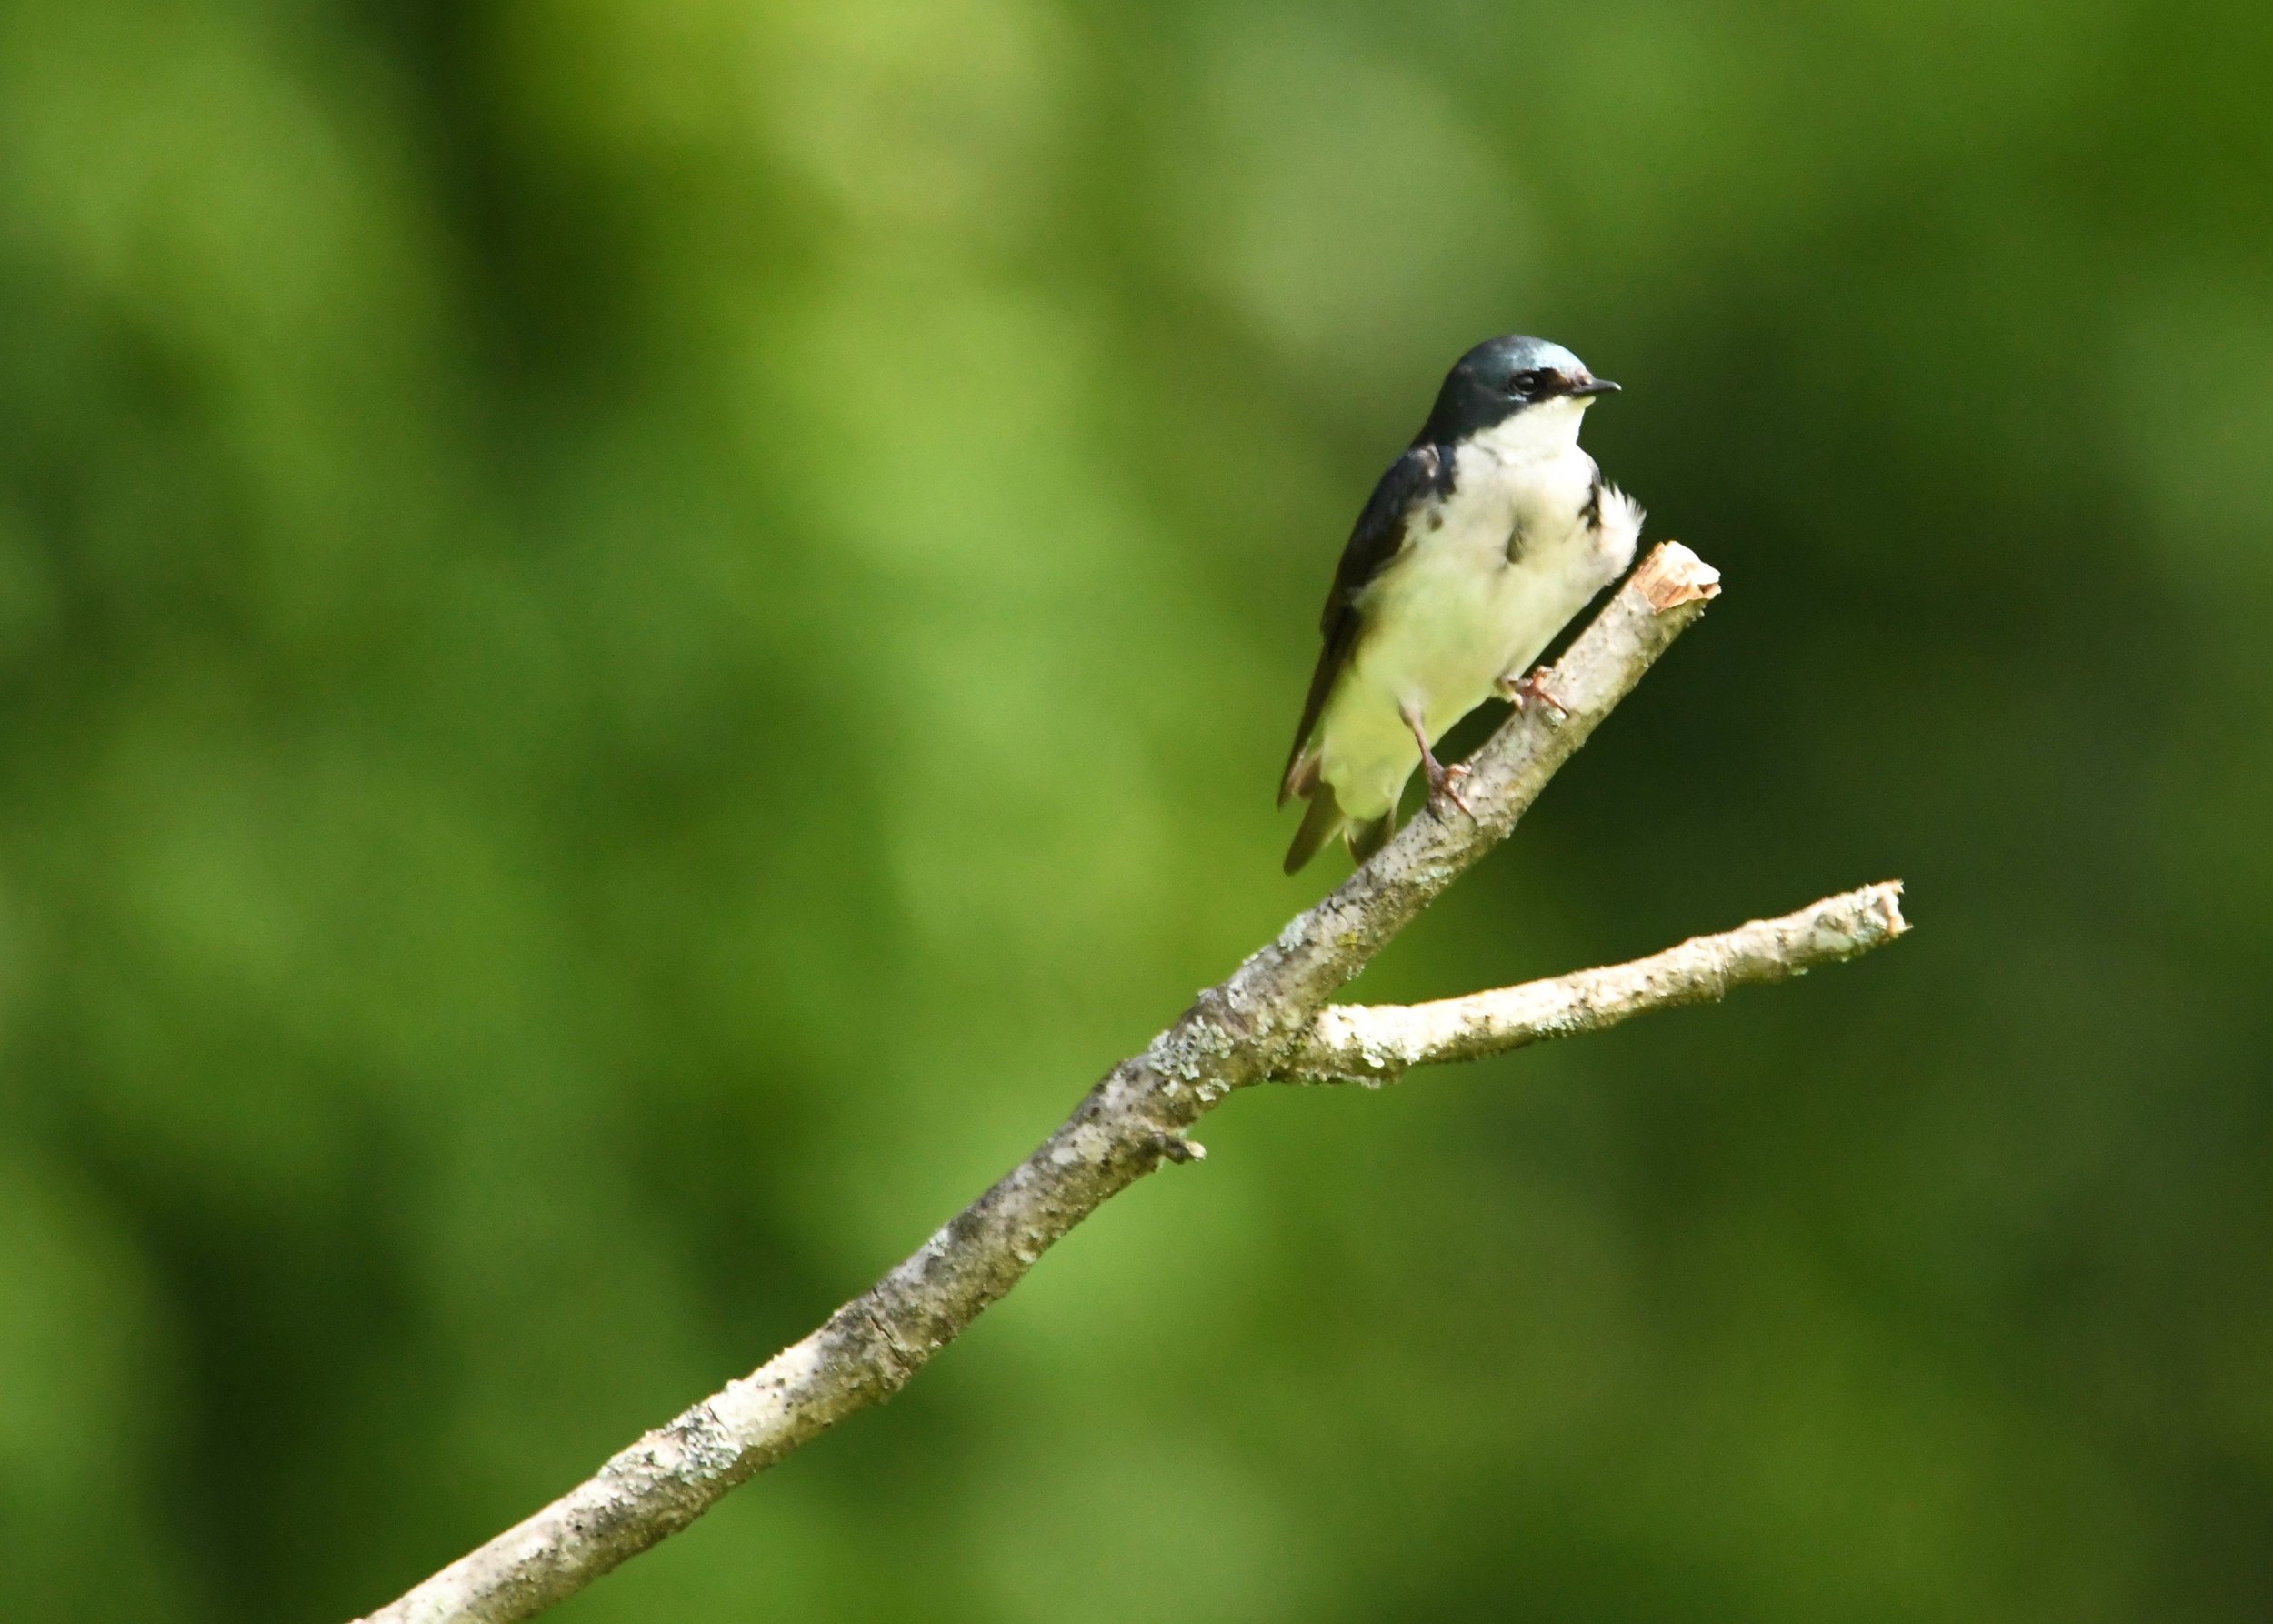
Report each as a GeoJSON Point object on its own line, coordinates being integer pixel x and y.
{"type": "Point", "coordinates": [1375, 1044]}
{"type": "Point", "coordinates": [1238, 1033]}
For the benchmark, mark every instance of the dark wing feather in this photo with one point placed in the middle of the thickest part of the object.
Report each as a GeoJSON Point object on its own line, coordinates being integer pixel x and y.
{"type": "Point", "coordinates": [1422, 475]}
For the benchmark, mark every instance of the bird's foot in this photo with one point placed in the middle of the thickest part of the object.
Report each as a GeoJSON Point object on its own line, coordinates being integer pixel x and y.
{"type": "Point", "coordinates": [1529, 690]}
{"type": "Point", "coordinates": [1444, 783]}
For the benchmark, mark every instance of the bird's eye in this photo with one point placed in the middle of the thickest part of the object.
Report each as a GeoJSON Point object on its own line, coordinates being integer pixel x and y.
{"type": "Point", "coordinates": [1526, 382]}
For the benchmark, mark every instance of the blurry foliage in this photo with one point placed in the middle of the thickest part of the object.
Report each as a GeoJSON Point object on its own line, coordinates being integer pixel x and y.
{"type": "Point", "coordinates": [639, 634]}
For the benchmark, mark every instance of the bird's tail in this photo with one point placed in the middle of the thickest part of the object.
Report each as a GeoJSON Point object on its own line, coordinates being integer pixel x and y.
{"type": "Point", "coordinates": [1321, 821]}
{"type": "Point", "coordinates": [1324, 818]}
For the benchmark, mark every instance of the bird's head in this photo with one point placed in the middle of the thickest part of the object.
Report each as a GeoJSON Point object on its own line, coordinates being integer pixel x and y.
{"type": "Point", "coordinates": [1516, 382]}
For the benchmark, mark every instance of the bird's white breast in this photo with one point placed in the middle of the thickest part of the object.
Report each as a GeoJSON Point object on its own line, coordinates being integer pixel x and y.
{"type": "Point", "coordinates": [1488, 576]}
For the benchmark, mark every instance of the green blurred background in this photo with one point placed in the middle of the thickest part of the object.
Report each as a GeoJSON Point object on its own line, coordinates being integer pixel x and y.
{"type": "Point", "coordinates": [639, 636]}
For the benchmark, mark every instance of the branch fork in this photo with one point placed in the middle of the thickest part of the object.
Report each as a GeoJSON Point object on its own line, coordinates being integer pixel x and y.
{"type": "Point", "coordinates": [1269, 1022]}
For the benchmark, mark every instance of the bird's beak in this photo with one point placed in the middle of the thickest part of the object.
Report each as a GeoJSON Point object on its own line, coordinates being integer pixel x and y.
{"type": "Point", "coordinates": [1595, 385]}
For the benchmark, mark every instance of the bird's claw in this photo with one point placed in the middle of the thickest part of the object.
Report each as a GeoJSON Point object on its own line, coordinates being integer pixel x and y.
{"type": "Point", "coordinates": [1444, 784]}
{"type": "Point", "coordinates": [1526, 690]}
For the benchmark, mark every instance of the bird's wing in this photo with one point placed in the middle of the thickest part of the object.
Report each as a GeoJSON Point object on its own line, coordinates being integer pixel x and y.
{"type": "Point", "coordinates": [1422, 475]}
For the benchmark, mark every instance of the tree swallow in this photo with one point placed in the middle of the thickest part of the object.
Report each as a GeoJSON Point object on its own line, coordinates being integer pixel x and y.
{"type": "Point", "coordinates": [1480, 544]}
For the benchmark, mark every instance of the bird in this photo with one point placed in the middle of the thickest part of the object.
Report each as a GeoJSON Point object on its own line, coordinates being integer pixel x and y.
{"type": "Point", "coordinates": [1480, 544]}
